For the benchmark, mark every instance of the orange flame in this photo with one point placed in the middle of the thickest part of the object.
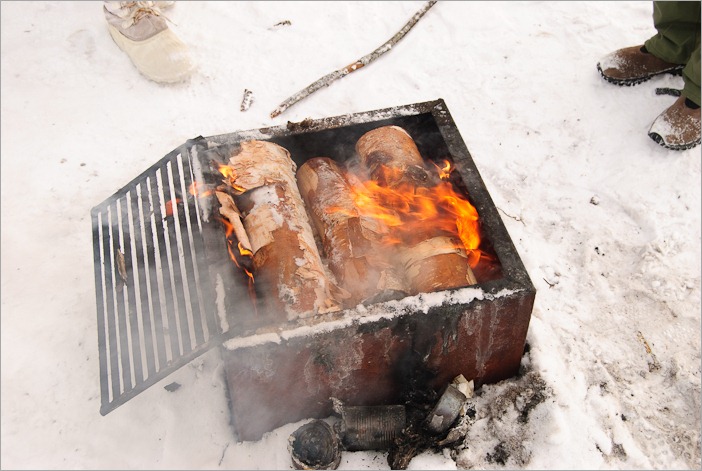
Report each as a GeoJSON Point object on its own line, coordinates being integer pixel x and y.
{"type": "Point", "coordinates": [199, 190]}
{"type": "Point", "coordinates": [230, 177]}
{"type": "Point", "coordinates": [414, 212]}
{"type": "Point", "coordinates": [227, 171]}
{"type": "Point", "coordinates": [242, 252]}
{"type": "Point", "coordinates": [445, 171]}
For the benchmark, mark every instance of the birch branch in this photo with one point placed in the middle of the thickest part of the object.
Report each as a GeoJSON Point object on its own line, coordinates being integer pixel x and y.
{"type": "Point", "coordinates": [363, 61]}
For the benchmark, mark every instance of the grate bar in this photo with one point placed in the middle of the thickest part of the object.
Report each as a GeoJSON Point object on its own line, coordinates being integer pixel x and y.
{"type": "Point", "coordinates": [123, 341]}
{"type": "Point", "coordinates": [174, 251]}
{"type": "Point", "coordinates": [189, 259]}
{"type": "Point", "coordinates": [111, 301]}
{"type": "Point", "coordinates": [154, 297]}
{"type": "Point", "coordinates": [167, 306]}
{"type": "Point", "coordinates": [195, 224]}
{"type": "Point", "coordinates": [153, 314]}
{"type": "Point", "coordinates": [130, 292]}
{"type": "Point", "coordinates": [139, 249]}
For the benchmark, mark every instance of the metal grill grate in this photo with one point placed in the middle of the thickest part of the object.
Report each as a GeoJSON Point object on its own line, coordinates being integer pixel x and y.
{"type": "Point", "coordinates": [155, 300]}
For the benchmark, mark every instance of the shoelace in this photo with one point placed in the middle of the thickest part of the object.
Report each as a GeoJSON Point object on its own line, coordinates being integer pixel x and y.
{"type": "Point", "coordinates": [132, 12]}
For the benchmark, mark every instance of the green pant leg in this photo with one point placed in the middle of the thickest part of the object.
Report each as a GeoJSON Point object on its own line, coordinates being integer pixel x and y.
{"type": "Point", "coordinates": [678, 40]}
{"type": "Point", "coordinates": [678, 26]}
{"type": "Point", "coordinates": [691, 77]}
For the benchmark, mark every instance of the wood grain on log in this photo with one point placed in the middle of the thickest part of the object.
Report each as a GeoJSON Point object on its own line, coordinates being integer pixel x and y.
{"type": "Point", "coordinates": [391, 157]}
{"type": "Point", "coordinates": [287, 265]}
{"type": "Point", "coordinates": [350, 243]}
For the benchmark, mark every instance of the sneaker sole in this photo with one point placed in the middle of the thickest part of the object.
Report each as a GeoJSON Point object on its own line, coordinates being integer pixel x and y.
{"type": "Point", "coordinates": [677, 70]}
{"type": "Point", "coordinates": [659, 140]}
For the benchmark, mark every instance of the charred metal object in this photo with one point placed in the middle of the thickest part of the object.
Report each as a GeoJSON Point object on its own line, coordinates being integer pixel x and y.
{"type": "Point", "coordinates": [446, 410]}
{"type": "Point", "coordinates": [314, 446]}
{"type": "Point", "coordinates": [370, 427]}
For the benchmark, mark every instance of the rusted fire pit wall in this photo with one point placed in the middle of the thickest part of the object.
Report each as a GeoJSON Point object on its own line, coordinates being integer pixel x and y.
{"type": "Point", "coordinates": [375, 355]}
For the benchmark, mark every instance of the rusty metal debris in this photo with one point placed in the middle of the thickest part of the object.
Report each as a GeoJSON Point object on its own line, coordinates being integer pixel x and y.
{"type": "Point", "coordinates": [403, 430]}
{"type": "Point", "coordinates": [432, 427]}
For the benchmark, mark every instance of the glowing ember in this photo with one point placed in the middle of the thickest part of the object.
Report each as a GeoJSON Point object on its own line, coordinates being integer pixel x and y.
{"type": "Point", "coordinates": [171, 206]}
{"type": "Point", "coordinates": [199, 190]}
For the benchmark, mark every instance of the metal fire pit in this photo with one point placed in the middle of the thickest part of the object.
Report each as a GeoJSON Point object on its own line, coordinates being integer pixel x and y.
{"type": "Point", "coordinates": [167, 291]}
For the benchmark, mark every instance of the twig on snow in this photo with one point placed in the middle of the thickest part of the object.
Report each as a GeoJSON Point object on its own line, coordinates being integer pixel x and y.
{"type": "Point", "coordinates": [223, 452]}
{"type": "Point", "coordinates": [516, 218]}
{"type": "Point", "coordinates": [363, 61]}
{"type": "Point", "coordinates": [246, 100]}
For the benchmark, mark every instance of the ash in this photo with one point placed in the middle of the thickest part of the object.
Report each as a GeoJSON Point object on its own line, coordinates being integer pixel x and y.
{"type": "Point", "coordinates": [497, 429]}
{"type": "Point", "coordinates": [492, 432]}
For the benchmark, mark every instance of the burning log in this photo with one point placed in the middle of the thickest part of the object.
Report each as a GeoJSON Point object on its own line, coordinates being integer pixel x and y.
{"type": "Point", "coordinates": [432, 258]}
{"type": "Point", "coordinates": [392, 157]}
{"type": "Point", "coordinates": [285, 258]}
{"type": "Point", "coordinates": [229, 210]}
{"type": "Point", "coordinates": [351, 243]}
{"type": "Point", "coordinates": [436, 264]}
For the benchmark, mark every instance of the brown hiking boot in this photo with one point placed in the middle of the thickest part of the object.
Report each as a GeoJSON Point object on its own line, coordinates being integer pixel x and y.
{"type": "Point", "coordinates": [633, 65]}
{"type": "Point", "coordinates": [678, 127]}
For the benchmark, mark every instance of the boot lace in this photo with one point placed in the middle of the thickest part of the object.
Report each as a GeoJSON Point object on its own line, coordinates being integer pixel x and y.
{"type": "Point", "coordinates": [132, 12]}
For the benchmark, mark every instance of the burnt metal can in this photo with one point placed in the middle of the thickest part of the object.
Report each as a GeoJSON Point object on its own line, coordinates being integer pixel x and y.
{"type": "Point", "coordinates": [315, 445]}
{"type": "Point", "coordinates": [446, 411]}
{"type": "Point", "coordinates": [371, 427]}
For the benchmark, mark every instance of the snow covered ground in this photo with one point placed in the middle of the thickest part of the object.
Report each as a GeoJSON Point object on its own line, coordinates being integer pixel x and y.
{"type": "Point", "coordinates": [607, 222]}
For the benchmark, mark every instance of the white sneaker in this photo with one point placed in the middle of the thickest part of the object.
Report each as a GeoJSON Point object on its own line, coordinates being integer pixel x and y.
{"type": "Point", "coordinates": [140, 30]}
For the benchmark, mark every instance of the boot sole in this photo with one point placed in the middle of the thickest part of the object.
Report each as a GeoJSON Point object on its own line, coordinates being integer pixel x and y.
{"type": "Point", "coordinates": [659, 140]}
{"type": "Point", "coordinates": [677, 70]}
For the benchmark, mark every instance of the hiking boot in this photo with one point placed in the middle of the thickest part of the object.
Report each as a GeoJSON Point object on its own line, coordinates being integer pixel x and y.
{"type": "Point", "coordinates": [140, 30]}
{"type": "Point", "coordinates": [633, 65]}
{"type": "Point", "coordinates": [678, 127]}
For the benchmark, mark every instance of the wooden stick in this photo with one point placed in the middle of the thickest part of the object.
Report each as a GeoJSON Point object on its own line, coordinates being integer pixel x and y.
{"type": "Point", "coordinates": [363, 61]}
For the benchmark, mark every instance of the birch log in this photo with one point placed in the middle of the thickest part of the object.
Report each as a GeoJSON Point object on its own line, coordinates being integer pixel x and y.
{"type": "Point", "coordinates": [228, 209]}
{"type": "Point", "coordinates": [391, 157]}
{"type": "Point", "coordinates": [287, 266]}
{"type": "Point", "coordinates": [437, 262]}
{"type": "Point", "coordinates": [350, 243]}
